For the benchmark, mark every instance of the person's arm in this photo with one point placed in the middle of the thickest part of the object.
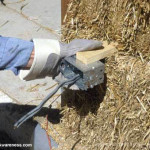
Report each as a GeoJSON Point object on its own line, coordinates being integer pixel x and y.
{"type": "Point", "coordinates": [40, 58]}
{"type": "Point", "coordinates": [15, 54]}
{"type": "Point", "coordinates": [29, 64]}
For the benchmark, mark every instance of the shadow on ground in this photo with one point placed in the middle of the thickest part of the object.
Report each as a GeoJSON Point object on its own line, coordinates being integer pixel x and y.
{"type": "Point", "coordinates": [10, 113]}
{"type": "Point", "coordinates": [85, 101]}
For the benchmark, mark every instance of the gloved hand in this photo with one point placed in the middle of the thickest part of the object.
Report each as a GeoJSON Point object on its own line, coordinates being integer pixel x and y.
{"type": "Point", "coordinates": [49, 53]}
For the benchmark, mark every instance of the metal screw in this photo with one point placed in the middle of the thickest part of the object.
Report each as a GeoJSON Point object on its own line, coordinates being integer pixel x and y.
{"type": "Point", "coordinates": [91, 77]}
{"type": "Point", "coordinates": [91, 86]}
{"type": "Point", "coordinates": [96, 83]}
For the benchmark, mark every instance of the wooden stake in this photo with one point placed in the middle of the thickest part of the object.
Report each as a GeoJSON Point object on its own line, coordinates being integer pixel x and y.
{"type": "Point", "coordinates": [88, 57]}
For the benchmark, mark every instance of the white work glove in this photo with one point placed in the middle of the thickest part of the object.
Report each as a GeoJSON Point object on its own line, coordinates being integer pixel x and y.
{"type": "Point", "coordinates": [49, 53]}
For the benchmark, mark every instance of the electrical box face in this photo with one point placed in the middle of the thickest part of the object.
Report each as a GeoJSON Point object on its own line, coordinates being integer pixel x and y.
{"type": "Point", "coordinates": [91, 74]}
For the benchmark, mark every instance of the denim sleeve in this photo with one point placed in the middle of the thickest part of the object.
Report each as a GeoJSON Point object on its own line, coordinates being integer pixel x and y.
{"type": "Point", "coordinates": [14, 53]}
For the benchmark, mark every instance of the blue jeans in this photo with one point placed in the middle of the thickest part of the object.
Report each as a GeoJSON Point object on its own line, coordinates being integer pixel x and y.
{"type": "Point", "coordinates": [40, 141]}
